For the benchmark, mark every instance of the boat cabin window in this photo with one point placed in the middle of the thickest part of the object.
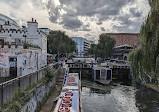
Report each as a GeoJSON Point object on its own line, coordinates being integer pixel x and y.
{"type": "Point", "coordinates": [108, 74]}
{"type": "Point", "coordinates": [97, 74]}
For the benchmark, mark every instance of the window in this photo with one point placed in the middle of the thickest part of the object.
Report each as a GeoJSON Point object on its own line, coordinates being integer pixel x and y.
{"type": "Point", "coordinates": [9, 46]}
{"type": "Point", "coordinates": [25, 62]}
{"type": "Point", "coordinates": [1, 41]}
{"type": "Point", "coordinates": [118, 40]}
{"type": "Point", "coordinates": [114, 36]}
{"type": "Point", "coordinates": [121, 40]}
{"type": "Point", "coordinates": [17, 41]}
{"type": "Point", "coordinates": [125, 36]}
{"type": "Point", "coordinates": [1, 27]}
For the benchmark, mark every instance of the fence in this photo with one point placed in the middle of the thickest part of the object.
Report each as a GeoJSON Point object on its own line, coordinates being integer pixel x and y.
{"type": "Point", "coordinates": [9, 88]}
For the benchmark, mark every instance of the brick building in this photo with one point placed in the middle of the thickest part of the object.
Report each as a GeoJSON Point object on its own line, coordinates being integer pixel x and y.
{"type": "Point", "coordinates": [125, 38]}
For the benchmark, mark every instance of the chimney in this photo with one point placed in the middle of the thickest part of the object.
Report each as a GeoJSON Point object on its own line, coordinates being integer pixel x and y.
{"type": "Point", "coordinates": [35, 20]}
{"type": "Point", "coordinates": [32, 19]}
{"type": "Point", "coordinates": [8, 23]}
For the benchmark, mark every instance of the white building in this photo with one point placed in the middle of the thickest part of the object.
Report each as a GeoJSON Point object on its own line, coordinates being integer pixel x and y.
{"type": "Point", "coordinates": [4, 20]}
{"type": "Point", "coordinates": [83, 45]}
{"type": "Point", "coordinates": [21, 51]}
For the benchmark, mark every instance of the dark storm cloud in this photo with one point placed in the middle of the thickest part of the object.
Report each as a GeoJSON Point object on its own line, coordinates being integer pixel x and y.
{"type": "Point", "coordinates": [135, 12]}
{"type": "Point", "coordinates": [126, 25]}
{"type": "Point", "coordinates": [102, 28]}
{"type": "Point", "coordinates": [99, 23]}
{"type": "Point", "coordinates": [85, 27]}
{"type": "Point", "coordinates": [126, 22]}
{"type": "Point", "coordinates": [92, 7]}
{"type": "Point", "coordinates": [71, 22]}
{"type": "Point", "coordinates": [102, 9]}
{"type": "Point", "coordinates": [54, 12]}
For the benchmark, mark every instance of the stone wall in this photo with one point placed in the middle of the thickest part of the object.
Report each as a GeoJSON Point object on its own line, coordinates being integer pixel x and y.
{"type": "Point", "coordinates": [39, 94]}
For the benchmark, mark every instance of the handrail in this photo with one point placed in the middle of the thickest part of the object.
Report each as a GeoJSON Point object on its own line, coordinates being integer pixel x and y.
{"type": "Point", "coordinates": [149, 77]}
{"type": "Point", "coordinates": [66, 73]}
{"type": "Point", "coordinates": [17, 78]}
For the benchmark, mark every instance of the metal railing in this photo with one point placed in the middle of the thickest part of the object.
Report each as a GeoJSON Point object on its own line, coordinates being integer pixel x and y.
{"type": "Point", "coordinates": [9, 88]}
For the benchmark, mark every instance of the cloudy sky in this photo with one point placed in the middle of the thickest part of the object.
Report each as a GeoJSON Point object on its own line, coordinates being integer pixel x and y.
{"type": "Point", "coordinates": [87, 18]}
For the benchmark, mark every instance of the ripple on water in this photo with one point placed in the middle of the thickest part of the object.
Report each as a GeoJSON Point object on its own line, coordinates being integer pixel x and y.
{"type": "Point", "coordinates": [108, 99]}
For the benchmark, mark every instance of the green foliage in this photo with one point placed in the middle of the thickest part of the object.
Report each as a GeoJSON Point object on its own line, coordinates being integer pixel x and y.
{"type": "Point", "coordinates": [146, 59]}
{"type": "Point", "coordinates": [157, 66]}
{"type": "Point", "coordinates": [104, 47]}
{"type": "Point", "coordinates": [59, 41]}
{"type": "Point", "coordinates": [18, 95]}
{"type": "Point", "coordinates": [15, 107]}
{"type": "Point", "coordinates": [27, 45]}
{"type": "Point", "coordinates": [49, 73]}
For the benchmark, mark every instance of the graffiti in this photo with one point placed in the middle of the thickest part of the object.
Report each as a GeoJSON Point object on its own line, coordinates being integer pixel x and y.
{"type": "Point", "coordinates": [2, 60]}
{"type": "Point", "coordinates": [18, 53]}
{"type": "Point", "coordinates": [28, 60]}
{"type": "Point", "coordinates": [1, 64]}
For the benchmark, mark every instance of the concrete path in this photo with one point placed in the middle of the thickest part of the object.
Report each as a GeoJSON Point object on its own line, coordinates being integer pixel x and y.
{"type": "Point", "coordinates": [154, 87]}
{"type": "Point", "coordinates": [50, 104]}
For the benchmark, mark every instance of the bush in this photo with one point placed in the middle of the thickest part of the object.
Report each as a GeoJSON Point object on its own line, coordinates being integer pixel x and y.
{"type": "Point", "coordinates": [49, 73]}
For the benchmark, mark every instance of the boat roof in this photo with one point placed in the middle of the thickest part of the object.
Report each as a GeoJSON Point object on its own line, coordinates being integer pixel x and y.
{"type": "Point", "coordinates": [75, 97]}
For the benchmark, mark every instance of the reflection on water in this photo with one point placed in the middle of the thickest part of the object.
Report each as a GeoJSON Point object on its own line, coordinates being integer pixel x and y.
{"type": "Point", "coordinates": [120, 98]}
{"type": "Point", "coordinates": [147, 100]}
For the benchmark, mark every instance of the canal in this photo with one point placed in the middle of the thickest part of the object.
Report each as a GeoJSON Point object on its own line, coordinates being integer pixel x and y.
{"type": "Point", "coordinates": [118, 97]}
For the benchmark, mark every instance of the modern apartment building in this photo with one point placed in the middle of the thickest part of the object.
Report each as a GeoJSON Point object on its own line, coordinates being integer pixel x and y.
{"type": "Point", "coordinates": [82, 45]}
{"type": "Point", "coordinates": [124, 38]}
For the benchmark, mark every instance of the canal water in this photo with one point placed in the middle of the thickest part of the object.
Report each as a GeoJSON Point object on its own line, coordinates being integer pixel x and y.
{"type": "Point", "coordinates": [118, 98]}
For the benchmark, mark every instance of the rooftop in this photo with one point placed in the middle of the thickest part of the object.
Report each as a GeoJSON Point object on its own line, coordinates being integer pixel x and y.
{"type": "Point", "coordinates": [122, 33]}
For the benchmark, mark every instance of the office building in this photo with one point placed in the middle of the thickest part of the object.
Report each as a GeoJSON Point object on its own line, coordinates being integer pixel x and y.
{"type": "Point", "coordinates": [125, 38]}
{"type": "Point", "coordinates": [82, 45]}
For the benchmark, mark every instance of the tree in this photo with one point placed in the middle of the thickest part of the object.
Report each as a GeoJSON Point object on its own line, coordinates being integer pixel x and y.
{"type": "Point", "coordinates": [104, 47]}
{"type": "Point", "coordinates": [59, 42]}
{"type": "Point", "coordinates": [145, 60]}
